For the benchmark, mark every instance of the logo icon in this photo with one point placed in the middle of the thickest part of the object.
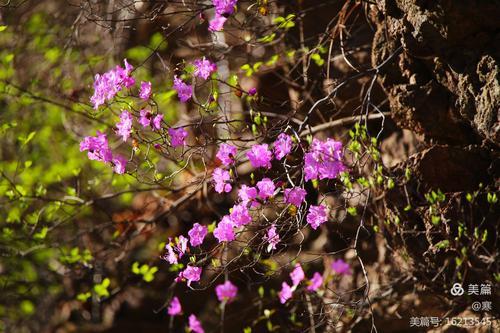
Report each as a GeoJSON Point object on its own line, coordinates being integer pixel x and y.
{"type": "Point", "coordinates": [457, 290]}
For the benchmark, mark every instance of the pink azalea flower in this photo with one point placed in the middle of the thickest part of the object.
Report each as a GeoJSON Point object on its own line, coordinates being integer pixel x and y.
{"type": "Point", "coordinates": [286, 293]}
{"type": "Point", "coordinates": [221, 179]}
{"type": "Point", "coordinates": [107, 85]}
{"type": "Point", "coordinates": [226, 154]}
{"type": "Point", "coordinates": [177, 136]}
{"type": "Point", "coordinates": [260, 156]}
{"type": "Point", "coordinates": [170, 256]}
{"type": "Point", "coordinates": [252, 91]}
{"type": "Point", "coordinates": [181, 245]}
{"type": "Point", "coordinates": [145, 118]}
{"type": "Point", "coordinates": [97, 147]}
{"type": "Point", "coordinates": [295, 196]}
{"type": "Point", "coordinates": [191, 274]}
{"type": "Point", "coordinates": [203, 68]}
{"type": "Point", "coordinates": [226, 292]}
{"type": "Point", "coordinates": [340, 267]}
{"type": "Point", "coordinates": [297, 275]}
{"type": "Point", "coordinates": [224, 232]}
{"type": "Point", "coordinates": [217, 23]}
{"type": "Point", "coordinates": [282, 146]}
{"type": "Point", "coordinates": [157, 122]}
{"type": "Point", "coordinates": [315, 282]}
{"type": "Point", "coordinates": [184, 90]}
{"type": "Point", "coordinates": [124, 127]}
{"type": "Point", "coordinates": [224, 7]}
{"type": "Point", "coordinates": [197, 234]}
{"type": "Point", "coordinates": [324, 160]}
{"type": "Point", "coordinates": [145, 92]}
{"type": "Point", "coordinates": [240, 215]}
{"type": "Point", "coordinates": [195, 325]}
{"type": "Point", "coordinates": [272, 238]}
{"type": "Point", "coordinates": [247, 194]}
{"type": "Point", "coordinates": [120, 162]}
{"type": "Point", "coordinates": [316, 216]}
{"type": "Point", "coordinates": [266, 188]}
{"type": "Point", "coordinates": [175, 251]}
{"type": "Point", "coordinates": [175, 307]}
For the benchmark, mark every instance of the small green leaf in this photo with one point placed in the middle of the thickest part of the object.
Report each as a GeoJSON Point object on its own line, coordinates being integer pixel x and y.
{"type": "Point", "coordinates": [267, 38]}
{"type": "Point", "coordinates": [352, 211]}
{"type": "Point", "coordinates": [83, 297]}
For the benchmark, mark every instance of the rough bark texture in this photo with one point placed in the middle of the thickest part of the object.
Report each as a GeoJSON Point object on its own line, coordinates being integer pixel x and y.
{"type": "Point", "coordinates": [445, 88]}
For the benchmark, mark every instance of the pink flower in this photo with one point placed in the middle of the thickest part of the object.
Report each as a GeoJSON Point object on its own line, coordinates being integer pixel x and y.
{"type": "Point", "coordinates": [221, 179]}
{"type": "Point", "coordinates": [176, 250]}
{"type": "Point", "coordinates": [247, 194]}
{"type": "Point", "coordinates": [181, 245]}
{"type": "Point", "coordinates": [224, 7]}
{"type": "Point", "coordinates": [97, 147]}
{"type": "Point", "coordinates": [252, 91]}
{"type": "Point", "coordinates": [286, 293]}
{"type": "Point", "coordinates": [295, 196]}
{"type": "Point", "coordinates": [197, 234]}
{"type": "Point", "coordinates": [316, 216]}
{"type": "Point", "coordinates": [127, 80]}
{"type": "Point", "coordinates": [120, 162]}
{"type": "Point", "coordinates": [224, 232]}
{"type": "Point", "coordinates": [266, 188]}
{"type": "Point", "coordinates": [195, 325]}
{"type": "Point", "coordinates": [226, 154]}
{"type": "Point", "coordinates": [124, 127]}
{"type": "Point", "coordinates": [191, 273]}
{"type": "Point", "coordinates": [157, 122]}
{"type": "Point", "coordinates": [203, 68]}
{"type": "Point", "coordinates": [217, 23]}
{"type": "Point", "coordinates": [175, 307]}
{"type": "Point", "coordinates": [184, 91]}
{"type": "Point", "coordinates": [145, 90]}
{"type": "Point", "coordinates": [324, 160]}
{"type": "Point", "coordinates": [282, 146]}
{"type": "Point", "coordinates": [272, 238]}
{"type": "Point", "coordinates": [170, 256]}
{"type": "Point", "coordinates": [177, 136]}
{"type": "Point", "coordinates": [107, 85]}
{"type": "Point", "coordinates": [260, 156]}
{"type": "Point", "coordinates": [340, 267]}
{"type": "Point", "coordinates": [240, 215]}
{"type": "Point", "coordinates": [297, 275]}
{"type": "Point", "coordinates": [145, 118]}
{"type": "Point", "coordinates": [315, 282]}
{"type": "Point", "coordinates": [226, 292]}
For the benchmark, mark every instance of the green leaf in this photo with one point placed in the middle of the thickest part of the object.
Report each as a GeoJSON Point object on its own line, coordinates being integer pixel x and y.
{"type": "Point", "coordinates": [443, 244]}
{"type": "Point", "coordinates": [135, 268]}
{"type": "Point", "coordinates": [83, 297]}
{"type": "Point", "coordinates": [27, 139]}
{"type": "Point", "coordinates": [41, 234]}
{"type": "Point", "coordinates": [158, 42]}
{"type": "Point", "coordinates": [318, 60]}
{"type": "Point", "coordinates": [352, 211]}
{"type": "Point", "coordinates": [27, 307]}
{"type": "Point", "coordinates": [267, 38]}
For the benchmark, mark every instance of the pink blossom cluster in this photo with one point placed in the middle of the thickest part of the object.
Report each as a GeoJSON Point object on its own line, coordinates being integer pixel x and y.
{"type": "Point", "coordinates": [107, 85]}
{"type": "Point", "coordinates": [223, 8]}
{"type": "Point", "coordinates": [146, 119]}
{"type": "Point", "coordinates": [98, 149]}
{"type": "Point", "coordinates": [324, 160]}
{"type": "Point", "coordinates": [313, 284]}
{"type": "Point", "coordinates": [203, 68]}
